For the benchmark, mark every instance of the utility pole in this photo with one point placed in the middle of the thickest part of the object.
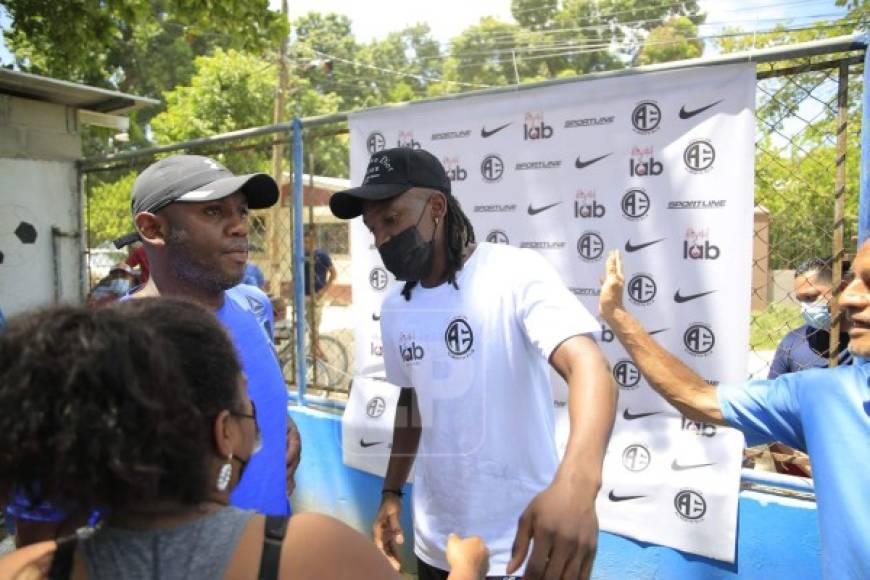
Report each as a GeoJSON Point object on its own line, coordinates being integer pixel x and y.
{"type": "Point", "coordinates": [275, 236]}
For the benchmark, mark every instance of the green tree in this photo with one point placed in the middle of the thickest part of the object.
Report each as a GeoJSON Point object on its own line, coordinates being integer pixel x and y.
{"type": "Point", "coordinates": [676, 39]}
{"type": "Point", "coordinates": [108, 209]}
{"type": "Point", "coordinates": [135, 46]}
{"type": "Point", "coordinates": [796, 157]}
{"type": "Point", "coordinates": [574, 38]}
{"type": "Point", "coordinates": [233, 90]}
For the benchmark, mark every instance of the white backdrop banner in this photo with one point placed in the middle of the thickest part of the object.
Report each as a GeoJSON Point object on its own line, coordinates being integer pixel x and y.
{"type": "Point", "coordinates": [659, 166]}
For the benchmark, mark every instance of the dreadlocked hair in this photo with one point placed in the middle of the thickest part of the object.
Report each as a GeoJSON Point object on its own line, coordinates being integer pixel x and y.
{"type": "Point", "coordinates": [459, 234]}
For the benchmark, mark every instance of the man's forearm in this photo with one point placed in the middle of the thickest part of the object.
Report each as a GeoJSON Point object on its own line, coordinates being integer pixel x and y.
{"type": "Point", "coordinates": [669, 376]}
{"type": "Point", "coordinates": [592, 399]}
{"type": "Point", "coordinates": [406, 438]}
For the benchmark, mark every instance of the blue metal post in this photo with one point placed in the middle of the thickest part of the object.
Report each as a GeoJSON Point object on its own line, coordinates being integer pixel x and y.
{"type": "Point", "coordinates": [864, 202]}
{"type": "Point", "coordinates": [298, 258]}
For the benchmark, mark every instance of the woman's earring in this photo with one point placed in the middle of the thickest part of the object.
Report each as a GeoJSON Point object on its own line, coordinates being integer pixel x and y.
{"type": "Point", "coordinates": [225, 474]}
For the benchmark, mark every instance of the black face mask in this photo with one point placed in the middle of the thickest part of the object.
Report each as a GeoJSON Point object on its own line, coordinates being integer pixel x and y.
{"type": "Point", "coordinates": [406, 255]}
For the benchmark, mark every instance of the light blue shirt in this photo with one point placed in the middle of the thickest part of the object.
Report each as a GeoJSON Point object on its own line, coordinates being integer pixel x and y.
{"type": "Point", "coordinates": [826, 413]}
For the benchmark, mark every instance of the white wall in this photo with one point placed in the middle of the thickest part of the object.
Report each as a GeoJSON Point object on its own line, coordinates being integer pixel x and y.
{"type": "Point", "coordinates": [42, 193]}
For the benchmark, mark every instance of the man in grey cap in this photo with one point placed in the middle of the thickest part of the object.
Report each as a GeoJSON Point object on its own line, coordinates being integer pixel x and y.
{"type": "Point", "coordinates": [191, 214]}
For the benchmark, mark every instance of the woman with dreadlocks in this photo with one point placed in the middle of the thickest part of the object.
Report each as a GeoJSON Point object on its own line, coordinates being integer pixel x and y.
{"type": "Point", "coordinates": [468, 338]}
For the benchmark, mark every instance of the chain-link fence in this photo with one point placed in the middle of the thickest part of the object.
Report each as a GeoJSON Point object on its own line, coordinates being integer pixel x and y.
{"type": "Point", "coordinates": [807, 157]}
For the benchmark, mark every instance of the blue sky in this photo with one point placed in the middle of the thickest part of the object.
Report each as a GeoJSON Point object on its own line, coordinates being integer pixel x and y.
{"type": "Point", "coordinates": [447, 18]}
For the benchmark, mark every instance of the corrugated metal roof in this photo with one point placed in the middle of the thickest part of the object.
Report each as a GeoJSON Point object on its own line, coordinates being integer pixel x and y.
{"type": "Point", "coordinates": [51, 90]}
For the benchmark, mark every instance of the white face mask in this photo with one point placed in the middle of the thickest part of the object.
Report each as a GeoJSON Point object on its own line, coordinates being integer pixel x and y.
{"type": "Point", "coordinates": [817, 314]}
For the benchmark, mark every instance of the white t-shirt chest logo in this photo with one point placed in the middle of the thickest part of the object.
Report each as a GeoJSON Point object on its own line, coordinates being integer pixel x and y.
{"type": "Point", "coordinates": [459, 338]}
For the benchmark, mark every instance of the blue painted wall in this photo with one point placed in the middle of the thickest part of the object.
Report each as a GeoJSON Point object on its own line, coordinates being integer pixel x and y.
{"type": "Point", "coordinates": [777, 537]}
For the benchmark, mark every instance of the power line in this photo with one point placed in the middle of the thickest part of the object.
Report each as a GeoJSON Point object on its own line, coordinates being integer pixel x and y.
{"type": "Point", "coordinates": [422, 78]}
{"type": "Point", "coordinates": [509, 50]}
{"type": "Point", "coordinates": [510, 37]}
{"type": "Point", "coordinates": [648, 20]}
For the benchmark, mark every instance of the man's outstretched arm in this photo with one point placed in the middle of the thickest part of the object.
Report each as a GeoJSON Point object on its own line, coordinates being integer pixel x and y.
{"type": "Point", "coordinates": [669, 376]}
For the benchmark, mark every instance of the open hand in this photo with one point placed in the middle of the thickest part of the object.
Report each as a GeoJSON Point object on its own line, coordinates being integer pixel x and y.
{"type": "Point", "coordinates": [612, 286]}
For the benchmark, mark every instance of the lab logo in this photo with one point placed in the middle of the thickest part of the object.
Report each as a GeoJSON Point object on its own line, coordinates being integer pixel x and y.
{"type": "Point", "coordinates": [375, 407]}
{"type": "Point", "coordinates": [699, 156]}
{"type": "Point", "coordinates": [690, 505]}
{"type": "Point", "coordinates": [410, 351]}
{"type": "Point", "coordinates": [406, 139]}
{"type": "Point", "coordinates": [590, 246]}
{"type": "Point", "coordinates": [697, 245]}
{"type": "Point", "coordinates": [698, 428]}
{"type": "Point", "coordinates": [635, 457]}
{"type": "Point", "coordinates": [378, 278]}
{"type": "Point", "coordinates": [641, 289]}
{"type": "Point", "coordinates": [455, 171]}
{"type": "Point", "coordinates": [626, 375]}
{"type": "Point", "coordinates": [497, 237]}
{"type": "Point", "coordinates": [642, 163]}
{"type": "Point", "coordinates": [459, 338]}
{"type": "Point", "coordinates": [534, 127]}
{"type": "Point", "coordinates": [586, 206]}
{"type": "Point", "coordinates": [492, 168]}
{"type": "Point", "coordinates": [699, 339]}
{"type": "Point", "coordinates": [635, 204]}
{"type": "Point", "coordinates": [646, 117]}
{"type": "Point", "coordinates": [375, 142]}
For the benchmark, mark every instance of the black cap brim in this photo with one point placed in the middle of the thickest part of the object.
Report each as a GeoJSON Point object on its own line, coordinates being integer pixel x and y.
{"type": "Point", "coordinates": [126, 240]}
{"type": "Point", "coordinates": [348, 204]}
{"type": "Point", "coordinates": [260, 189]}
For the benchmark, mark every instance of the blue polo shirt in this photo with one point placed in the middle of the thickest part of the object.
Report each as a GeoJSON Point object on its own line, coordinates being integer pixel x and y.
{"type": "Point", "coordinates": [826, 413]}
{"type": "Point", "coordinates": [264, 484]}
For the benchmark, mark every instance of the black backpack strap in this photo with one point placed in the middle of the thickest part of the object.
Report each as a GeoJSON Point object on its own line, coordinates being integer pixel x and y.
{"type": "Point", "coordinates": [61, 565]}
{"type": "Point", "coordinates": [273, 540]}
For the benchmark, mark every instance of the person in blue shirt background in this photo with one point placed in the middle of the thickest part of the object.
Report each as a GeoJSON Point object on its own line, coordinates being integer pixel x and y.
{"type": "Point", "coordinates": [320, 263]}
{"type": "Point", "coordinates": [254, 276]}
{"type": "Point", "coordinates": [824, 412]}
{"type": "Point", "coordinates": [807, 346]}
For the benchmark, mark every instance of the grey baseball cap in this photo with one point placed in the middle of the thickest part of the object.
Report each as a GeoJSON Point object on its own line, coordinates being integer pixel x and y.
{"type": "Point", "coordinates": [194, 179]}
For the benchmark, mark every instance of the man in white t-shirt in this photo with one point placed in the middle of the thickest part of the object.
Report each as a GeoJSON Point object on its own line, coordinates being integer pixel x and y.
{"type": "Point", "coordinates": [468, 338]}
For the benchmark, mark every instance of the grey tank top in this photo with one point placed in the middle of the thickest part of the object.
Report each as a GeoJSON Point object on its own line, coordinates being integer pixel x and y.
{"type": "Point", "coordinates": [198, 549]}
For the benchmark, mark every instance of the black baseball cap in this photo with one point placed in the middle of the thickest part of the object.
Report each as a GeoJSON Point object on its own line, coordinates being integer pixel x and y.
{"type": "Point", "coordinates": [391, 172]}
{"type": "Point", "coordinates": [194, 179]}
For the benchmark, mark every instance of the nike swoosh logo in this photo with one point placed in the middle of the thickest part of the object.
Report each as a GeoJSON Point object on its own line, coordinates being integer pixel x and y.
{"type": "Point", "coordinates": [581, 164]}
{"type": "Point", "coordinates": [679, 299]}
{"type": "Point", "coordinates": [537, 210]}
{"type": "Point", "coordinates": [613, 497]}
{"type": "Point", "coordinates": [654, 332]}
{"type": "Point", "coordinates": [684, 114]}
{"type": "Point", "coordinates": [363, 443]}
{"type": "Point", "coordinates": [629, 247]}
{"type": "Point", "coordinates": [677, 467]}
{"type": "Point", "coordinates": [376, 317]}
{"type": "Point", "coordinates": [631, 417]}
{"type": "Point", "coordinates": [484, 133]}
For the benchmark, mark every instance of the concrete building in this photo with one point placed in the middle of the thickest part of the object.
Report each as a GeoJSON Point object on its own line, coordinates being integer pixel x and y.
{"type": "Point", "coordinates": [42, 249]}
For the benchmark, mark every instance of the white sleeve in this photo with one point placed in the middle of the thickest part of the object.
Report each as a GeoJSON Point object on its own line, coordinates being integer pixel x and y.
{"type": "Point", "coordinates": [395, 371]}
{"type": "Point", "coordinates": [548, 311]}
